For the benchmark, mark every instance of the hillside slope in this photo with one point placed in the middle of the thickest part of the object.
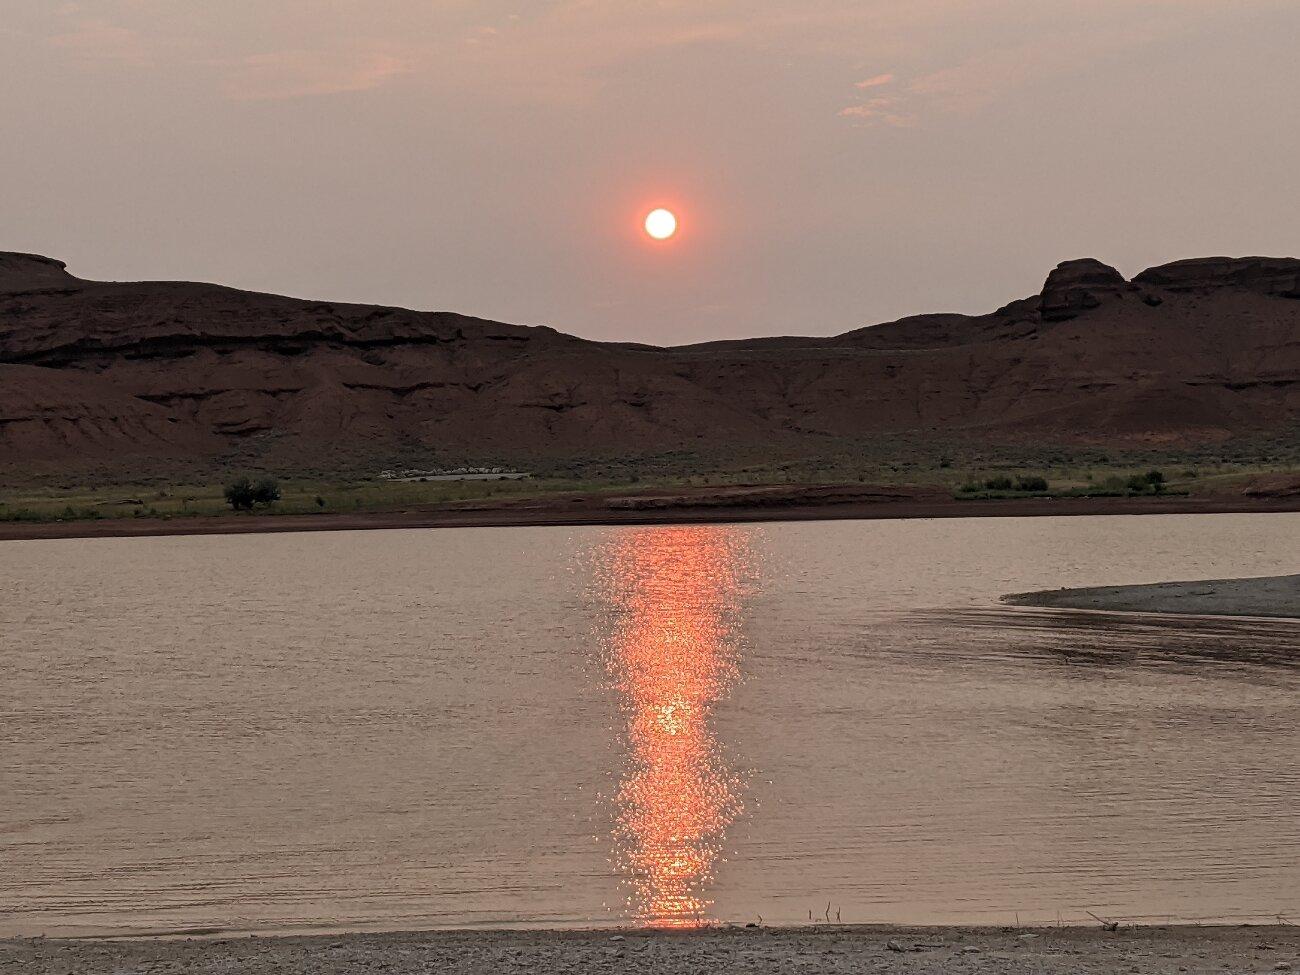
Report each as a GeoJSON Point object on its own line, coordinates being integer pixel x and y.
{"type": "Point", "coordinates": [156, 377]}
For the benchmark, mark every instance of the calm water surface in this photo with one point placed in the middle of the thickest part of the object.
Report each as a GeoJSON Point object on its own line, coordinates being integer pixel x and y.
{"type": "Point", "coordinates": [668, 725]}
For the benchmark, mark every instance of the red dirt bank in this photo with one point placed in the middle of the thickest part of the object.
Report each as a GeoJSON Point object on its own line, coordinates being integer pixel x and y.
{"type": "Point", "coordinates": [775, 503]}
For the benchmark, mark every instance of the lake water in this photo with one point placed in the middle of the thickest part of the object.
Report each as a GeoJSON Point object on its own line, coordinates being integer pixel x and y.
{"type": "Point", "coordinates": [667, 725]}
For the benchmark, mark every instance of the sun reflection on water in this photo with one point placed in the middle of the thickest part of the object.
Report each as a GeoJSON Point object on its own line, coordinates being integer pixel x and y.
{"type": "Point", "coordinates": [672, 653]}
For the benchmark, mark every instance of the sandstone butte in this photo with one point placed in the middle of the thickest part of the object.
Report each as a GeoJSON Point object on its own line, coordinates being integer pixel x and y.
{"type": "Point", "coordinates": [149, 378]}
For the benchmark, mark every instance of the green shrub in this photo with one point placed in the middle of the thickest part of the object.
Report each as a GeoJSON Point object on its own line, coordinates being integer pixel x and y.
{"type": "Point", "coordinates": [1152, 482]}
{"type": "Point", "coordinates": [1032, 483]}
{"type": "Point", "coordinates": [266, 491]}
{"type": "Point", "coordinates": [241, 493]}
{"type": "Point", "coordinates": [999, 483]}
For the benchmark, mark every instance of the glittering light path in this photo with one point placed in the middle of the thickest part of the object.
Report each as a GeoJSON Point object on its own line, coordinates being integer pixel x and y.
{"type": "Point", "coordinates": [672, 654]}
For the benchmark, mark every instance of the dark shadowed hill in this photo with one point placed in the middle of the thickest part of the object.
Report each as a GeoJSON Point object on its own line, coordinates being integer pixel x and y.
{"type": "Point", "coordinates": [159, 377]}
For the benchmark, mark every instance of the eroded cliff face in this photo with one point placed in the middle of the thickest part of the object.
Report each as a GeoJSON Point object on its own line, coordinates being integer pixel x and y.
{"type": "Point", "coordinates": [157, 377]}
{"type": "Point", "coordinates": [1074, 287]}
{"type": "Point", "coordinates": [1274, 276]}
{"type": "Point", "coordinates": [31, 272]}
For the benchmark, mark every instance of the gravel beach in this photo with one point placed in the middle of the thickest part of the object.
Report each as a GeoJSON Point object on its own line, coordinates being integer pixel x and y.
{"type": "Point", "coordinates": [969, 951]}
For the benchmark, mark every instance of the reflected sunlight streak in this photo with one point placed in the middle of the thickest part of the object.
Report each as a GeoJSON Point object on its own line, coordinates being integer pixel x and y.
{"type": "Point", "coordinates": [672, 654]}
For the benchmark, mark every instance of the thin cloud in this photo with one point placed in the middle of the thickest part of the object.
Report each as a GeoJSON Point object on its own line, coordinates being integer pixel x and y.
{"type": "Point", "coordinates": [303, 74]}
{"type": "Point", "coordinates": [566, 52]}
{"type": "Point", "coordinates": [978, 81]}
{"type": "Point", "coordinates": [876, 82]}
{"type": "Point", "coordinates": [98, 40]}
{"type": "Point", "coordinates": [884, 111]}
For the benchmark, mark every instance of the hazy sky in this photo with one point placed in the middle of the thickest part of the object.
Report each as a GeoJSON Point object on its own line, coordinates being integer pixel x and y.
{"type": "Point", "coordinates": [834, 163]}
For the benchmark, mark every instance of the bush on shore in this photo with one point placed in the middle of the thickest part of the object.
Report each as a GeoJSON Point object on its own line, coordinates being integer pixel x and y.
{"type": "Point", "coordinates": [242, 493]}
{"type": "Point", "coordinates": [1151, 481]}
{"type": "Point", "coordinates": [1002, 484]}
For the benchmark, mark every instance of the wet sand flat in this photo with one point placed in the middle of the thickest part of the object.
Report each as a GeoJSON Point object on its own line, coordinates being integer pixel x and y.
{"type": "Point", "coordinates": [1043, 951]}
{"type": "Point", "coordinates": [1265, 596]}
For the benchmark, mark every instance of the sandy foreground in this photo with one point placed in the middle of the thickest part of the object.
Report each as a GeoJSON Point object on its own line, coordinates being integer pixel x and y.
{"type": "Point", "coordinates": [1264, 596]}
{"type": "Point", "coordinates": [828, 949]}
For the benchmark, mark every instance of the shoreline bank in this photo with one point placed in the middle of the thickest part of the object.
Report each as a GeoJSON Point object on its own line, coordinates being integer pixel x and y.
{"type": "Point", "coordinates": [596, 510]}
{"type": "Point", "coordinates": [836, 949]}
{"type": "Point", "coordinates": [1264, 596]}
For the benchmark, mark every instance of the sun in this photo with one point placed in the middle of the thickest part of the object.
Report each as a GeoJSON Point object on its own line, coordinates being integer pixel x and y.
{"type": "Point", "coordinates": [660, 223]}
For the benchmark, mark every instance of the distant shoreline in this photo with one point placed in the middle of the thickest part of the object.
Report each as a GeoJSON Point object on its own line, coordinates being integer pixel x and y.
{"type": "Point", "coordinates": [595, 510]}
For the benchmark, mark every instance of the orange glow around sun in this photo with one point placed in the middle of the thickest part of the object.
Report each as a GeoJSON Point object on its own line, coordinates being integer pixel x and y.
{"type": "Point", "coordinates": [672, 655]}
